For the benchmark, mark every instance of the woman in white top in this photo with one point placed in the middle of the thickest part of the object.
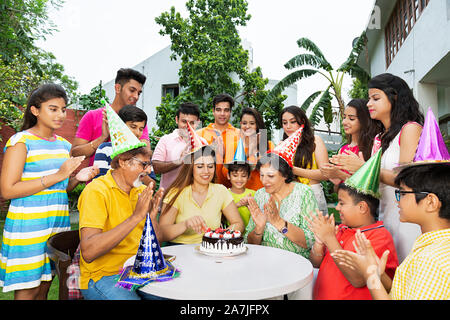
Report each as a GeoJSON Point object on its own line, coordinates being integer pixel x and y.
{"type": "Point", "coordinates": [391, 101]}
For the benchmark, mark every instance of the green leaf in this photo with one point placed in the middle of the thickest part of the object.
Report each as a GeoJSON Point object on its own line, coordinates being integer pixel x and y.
{"type": "Point", "coordinates": [307, 59]}
{"type": "Point", "coordinates": [322, 108]}
{"type": "Point", "coordinates": [286, 82]}
{"type": "Point", "coordinates": [307, 44]}
{"type": "Point", "coordinates": [310, 100]}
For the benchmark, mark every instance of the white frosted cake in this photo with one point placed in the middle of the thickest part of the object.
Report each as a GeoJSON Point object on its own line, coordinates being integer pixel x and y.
{"type": "Point", "coordinates": [222, 241]}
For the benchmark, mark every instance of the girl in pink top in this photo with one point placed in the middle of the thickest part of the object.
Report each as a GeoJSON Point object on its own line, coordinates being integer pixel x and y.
{"type": "Point", "coordinates": [360, 131]}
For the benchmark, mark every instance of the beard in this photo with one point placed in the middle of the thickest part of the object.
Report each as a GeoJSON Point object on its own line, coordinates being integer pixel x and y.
{"type": "Point", "coordinates": [138, 182]}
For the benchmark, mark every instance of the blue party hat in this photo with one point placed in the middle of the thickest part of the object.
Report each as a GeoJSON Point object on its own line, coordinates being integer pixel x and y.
{"type": "Point", "coordinates": [149, 258]}
{"type": "Point", "coordinates": [149, 264]}
{"type": "Point", "coordinates": [239, 156]}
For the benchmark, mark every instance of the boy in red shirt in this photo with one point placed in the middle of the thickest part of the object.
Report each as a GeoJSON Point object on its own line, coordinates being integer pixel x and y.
{"type": "Point", "coordinates": [357, 206]}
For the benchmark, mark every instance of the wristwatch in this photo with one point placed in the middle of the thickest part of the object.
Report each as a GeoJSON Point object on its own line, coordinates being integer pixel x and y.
{"type": "Point", "coordinates": [284, 230]}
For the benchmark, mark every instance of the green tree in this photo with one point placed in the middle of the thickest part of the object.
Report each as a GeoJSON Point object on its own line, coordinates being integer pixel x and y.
{"type": "Point", "coordinates": [93, 99]}
{"type": "Point", "coordinates": [22, 22]}
{"type": "Point", "coordinates": [316, 63]}
{"type": "Point", "coordinates": [16, 82]}
{"type": "Point", "coordinates": [212, 58]}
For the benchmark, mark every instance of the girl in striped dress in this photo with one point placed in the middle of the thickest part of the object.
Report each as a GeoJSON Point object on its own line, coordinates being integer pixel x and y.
{"type": "Point", "coordinates": [35, 176]}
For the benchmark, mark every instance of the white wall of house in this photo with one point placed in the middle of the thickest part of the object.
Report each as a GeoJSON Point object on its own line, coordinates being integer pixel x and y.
{"type": "Point", "coordinates": [426, 45]}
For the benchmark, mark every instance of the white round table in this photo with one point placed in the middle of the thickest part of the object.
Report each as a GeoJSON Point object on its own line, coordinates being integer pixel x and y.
{"type": "Point", "coordinates": [260, 273]}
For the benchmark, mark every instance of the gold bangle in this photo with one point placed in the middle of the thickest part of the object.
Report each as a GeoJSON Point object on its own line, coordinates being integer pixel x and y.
{"type": "Point", "coordinates": [42, 182]}
{"type": "Point", "coordinates": [92, 145]}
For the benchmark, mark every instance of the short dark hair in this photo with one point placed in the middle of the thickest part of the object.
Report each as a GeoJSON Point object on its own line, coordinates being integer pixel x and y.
{"type": "Point", "coordinates": [357, 197]}
{"type": "Point", "coordinates": [223, 97]}
{"type": "Point", "coordinates": [279, 164]}
{"type": "Point", "coordinates": [432, 178]}
{"type": "Point", "coordinates": [189, 108]}
{"type": "Point", "coordinates": [132, 113]}
{"type": "Point", "coordinates": [126, 74]}
{"type": "Point", "coordinates": [240, 167]}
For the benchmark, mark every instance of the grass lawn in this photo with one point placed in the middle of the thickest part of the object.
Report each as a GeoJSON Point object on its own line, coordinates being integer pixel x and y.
{"type": "Point", "coordinates": [54, 289]}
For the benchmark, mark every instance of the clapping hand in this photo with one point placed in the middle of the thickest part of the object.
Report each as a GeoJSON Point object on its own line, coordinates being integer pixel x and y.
{"type": "Point", "coordinates": [322, 226]}
{"type": "Point", "coordinates": [87, 173]}
{"type": "Point", "coordinates": [272, 212]}
{"type": "Point", "coordinates": [155, 203]}
{"type": "Point", "coordinates": [144, 200]}
{"type": "Point", "coordinates": [183, 154]}
{"type": "Point", "coordinates": [243, 202]}
{"type": "Point", "coordinates": [349, 161]}
{"type": "Point", "coordinates": [365, 260]}
{"type": "Point", "coordinates": [258, 216]}
{"type": "Point", "coordinates": [69, 166]}
{"type": "Point", "coordinates": [105, 126]}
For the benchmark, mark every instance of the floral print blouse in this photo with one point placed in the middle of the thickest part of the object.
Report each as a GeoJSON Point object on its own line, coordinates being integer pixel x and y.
{"type": "Point", "coordinates": [294, 208]}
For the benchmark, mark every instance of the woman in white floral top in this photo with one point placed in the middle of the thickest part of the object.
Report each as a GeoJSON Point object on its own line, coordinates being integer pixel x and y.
{"type": "Point", "coordinates": [279, 209]}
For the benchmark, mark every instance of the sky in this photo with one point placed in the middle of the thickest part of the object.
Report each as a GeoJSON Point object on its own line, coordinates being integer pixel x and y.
{"type": "Point", "coordinates": [97, 37]}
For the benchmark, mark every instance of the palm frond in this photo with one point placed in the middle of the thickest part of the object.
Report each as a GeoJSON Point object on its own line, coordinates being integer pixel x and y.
{"type": "Point", "coordinates": [307, 44]}
{"type": "Point", "coordinates": [310, 100]}
{"type": "Point", "coordinates": [306, 59]}
{"type": "Point", "coordinates": [284, 83]}
{"type": "Point", "coordinates": [322, 108]}
{"type": "Point", "coordinates": [350, 65]}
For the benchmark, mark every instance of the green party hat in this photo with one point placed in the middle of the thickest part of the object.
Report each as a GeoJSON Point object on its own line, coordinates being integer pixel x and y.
{"type": "Point", "coordinates": [122, 139]}
{"type": "Point", "coordinates": [367, 179]}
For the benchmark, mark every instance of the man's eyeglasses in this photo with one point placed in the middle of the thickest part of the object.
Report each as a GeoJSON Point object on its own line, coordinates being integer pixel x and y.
{"type": "Point", "coordinates": [399, 193]}
{"type": "Point", "coordinates": [145, 164]}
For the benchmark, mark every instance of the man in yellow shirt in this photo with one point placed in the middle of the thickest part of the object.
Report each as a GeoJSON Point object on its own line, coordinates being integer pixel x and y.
{"type": "Point", "coordinates": [223, 133]}
{"type": "Point", "coordinates": [112, 210]}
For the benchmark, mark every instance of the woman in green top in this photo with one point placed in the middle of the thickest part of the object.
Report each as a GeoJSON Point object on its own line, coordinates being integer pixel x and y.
{"type": "Point", "coordinates": [279, 209]}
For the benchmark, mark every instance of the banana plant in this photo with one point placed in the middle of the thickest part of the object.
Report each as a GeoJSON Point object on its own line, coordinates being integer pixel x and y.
{"type": "Point", "coordinates": [318, 64]}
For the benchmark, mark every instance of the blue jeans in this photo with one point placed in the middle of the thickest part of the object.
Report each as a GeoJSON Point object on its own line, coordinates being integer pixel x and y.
{"type": "Point", "coordinates": [105, 289]}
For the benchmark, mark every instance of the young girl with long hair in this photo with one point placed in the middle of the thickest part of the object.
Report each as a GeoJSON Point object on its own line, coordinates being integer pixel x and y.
{"type": "Point", "coordinates": [360, 131]}
{"type": "Point", "coordinates": [36, 175]}
{"type": "Point", "coordinates": [193, 203]}
{"type": "Point", "coordinates": [311, 153]}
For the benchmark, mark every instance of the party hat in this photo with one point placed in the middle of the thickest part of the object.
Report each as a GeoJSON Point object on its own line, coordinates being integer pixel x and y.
{"type": "Point", "coordinates": [149, 264]}
{"type": "Point", "coordinates": [367, 179]}
{"type": "Point", "coordinates": [287, 148]}
{"type": "Point", "coordinates": [195, 140]}
{"type": "Point", "coordinates": [431, 148]}
{"type": "Point", "coordinates": [239, 156]}
{"type": "Point", "coordinates": [122, 139]}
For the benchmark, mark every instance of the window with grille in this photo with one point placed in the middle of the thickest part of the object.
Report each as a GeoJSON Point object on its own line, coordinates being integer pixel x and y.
{"type": "Point", "coordinates": [401, 22]}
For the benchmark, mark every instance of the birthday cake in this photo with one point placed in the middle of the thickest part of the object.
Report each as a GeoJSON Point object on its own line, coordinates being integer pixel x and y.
{"type": "Point", "coordinates": [222, 241]}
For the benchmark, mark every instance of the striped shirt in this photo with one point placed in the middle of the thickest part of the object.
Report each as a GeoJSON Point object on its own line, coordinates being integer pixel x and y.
{"type": "Point", "coordinates": [425, 273]}
{"type": "Point", "coordinates": [31, 220]}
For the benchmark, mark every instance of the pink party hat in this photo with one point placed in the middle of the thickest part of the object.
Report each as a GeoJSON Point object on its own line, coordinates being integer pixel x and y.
{"type": "Point", "coordinates": [196, 142]}
{"type": "Point", "coordinates": [287, 148]}
{"type": "Point", "coordinates": [431, 148]}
